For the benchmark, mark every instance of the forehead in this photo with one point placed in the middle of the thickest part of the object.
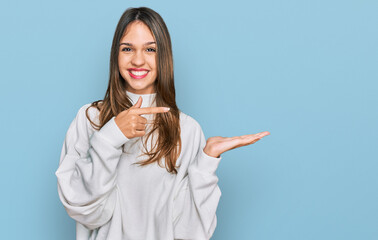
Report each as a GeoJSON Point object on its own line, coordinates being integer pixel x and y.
{"type": "Point", "coordinates": [137, 31]}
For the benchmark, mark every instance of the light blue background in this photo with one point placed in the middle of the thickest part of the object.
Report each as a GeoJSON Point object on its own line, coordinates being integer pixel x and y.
{"type": "Point", "coordinates": [304, 70]}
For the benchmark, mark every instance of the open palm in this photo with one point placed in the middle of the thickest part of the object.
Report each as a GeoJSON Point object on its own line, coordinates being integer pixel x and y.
{"type": "Point", "coordinates": [215, 146]}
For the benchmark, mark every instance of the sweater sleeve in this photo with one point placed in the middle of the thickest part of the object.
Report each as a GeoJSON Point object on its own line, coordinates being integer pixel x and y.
{"type": "Point", "coordinates": [87, 170]}
{"type": "Point", "coordinates": [194, 213]}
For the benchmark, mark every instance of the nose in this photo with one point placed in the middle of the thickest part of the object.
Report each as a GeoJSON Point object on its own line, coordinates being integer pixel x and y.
{"type": "Point", "coordinates": [138, 58]}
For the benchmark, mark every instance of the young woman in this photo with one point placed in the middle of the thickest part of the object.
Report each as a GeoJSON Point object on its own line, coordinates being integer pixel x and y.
{"type": "Point", "coordinates": [133, 166]}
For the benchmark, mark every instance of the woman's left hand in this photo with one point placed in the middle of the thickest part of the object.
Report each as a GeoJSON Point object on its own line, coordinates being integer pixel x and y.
{"type": "Point", "coordinates": [215, 146]}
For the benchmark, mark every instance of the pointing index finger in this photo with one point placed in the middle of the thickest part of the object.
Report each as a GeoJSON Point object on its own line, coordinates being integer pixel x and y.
{"type": "Point", "coordinates": [151, 110]}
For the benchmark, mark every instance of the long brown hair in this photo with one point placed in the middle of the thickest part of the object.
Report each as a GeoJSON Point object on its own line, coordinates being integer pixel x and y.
{"type": "Point", "coordinates": [167, 124]}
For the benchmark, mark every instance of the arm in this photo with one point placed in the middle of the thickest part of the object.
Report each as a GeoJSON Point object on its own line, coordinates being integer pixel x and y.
{"type": "Point", "coordinates": [87, 171]}
{"type": "Point", "coordinates": [197, 201]}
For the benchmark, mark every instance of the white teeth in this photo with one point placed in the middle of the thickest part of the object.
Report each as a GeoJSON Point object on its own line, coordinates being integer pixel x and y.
{"type": "Point", "coordinates": [139, 73]}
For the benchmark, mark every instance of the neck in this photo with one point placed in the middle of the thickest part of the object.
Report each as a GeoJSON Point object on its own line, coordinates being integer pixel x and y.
{"type": "Point", "coordinates": [148, 100]}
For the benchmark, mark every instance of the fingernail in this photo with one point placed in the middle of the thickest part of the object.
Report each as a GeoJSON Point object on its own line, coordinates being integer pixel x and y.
{"type": "Point", "coordinates": [167, 108]}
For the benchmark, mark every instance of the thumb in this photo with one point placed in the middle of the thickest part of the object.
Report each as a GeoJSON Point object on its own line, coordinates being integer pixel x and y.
{"type": "Point", "coordinates": [138, 103]}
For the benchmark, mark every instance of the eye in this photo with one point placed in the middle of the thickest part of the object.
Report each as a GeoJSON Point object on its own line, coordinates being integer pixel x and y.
{"type": "Point", "coordinates": [126, 49]}
{"type": "Point", "coordinates": [151, 50]}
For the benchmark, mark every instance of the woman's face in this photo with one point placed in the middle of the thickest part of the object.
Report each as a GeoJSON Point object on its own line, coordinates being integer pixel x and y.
{"type": "Point", "coordinates": [137, 58]}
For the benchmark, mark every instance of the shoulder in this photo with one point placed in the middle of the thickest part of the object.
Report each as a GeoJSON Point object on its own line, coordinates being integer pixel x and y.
{"type": "Point", "coordinates": [88, 111]}
{"type": "Point", "coordinates": [81, 122]}
{"type": "Point", "coordinates": [192, 137]}
{"type": "Point", "coordinates": [189, 122]}
{"type": "Point", "coordinates": [191, 129]}
{"type": "Point", "coordinates": [92, 110]}
{"type": "Point", "coordinates": [80, 130]}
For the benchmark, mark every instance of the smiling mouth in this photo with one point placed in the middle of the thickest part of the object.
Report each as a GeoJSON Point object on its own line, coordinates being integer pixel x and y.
{"type": "Point", "coordinates": [138, 74]}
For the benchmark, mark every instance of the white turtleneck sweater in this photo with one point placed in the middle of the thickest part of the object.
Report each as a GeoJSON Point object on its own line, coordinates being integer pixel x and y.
{"type": "Point", "coordinates": [111, 198]}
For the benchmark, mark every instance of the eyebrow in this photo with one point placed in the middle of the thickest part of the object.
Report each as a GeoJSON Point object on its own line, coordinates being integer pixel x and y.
{"type": "Point", "coordinates": [129, 44]}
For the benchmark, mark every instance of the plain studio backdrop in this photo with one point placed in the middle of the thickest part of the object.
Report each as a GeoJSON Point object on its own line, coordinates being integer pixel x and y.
{"type": "Point", "coordinates": [304, 70]}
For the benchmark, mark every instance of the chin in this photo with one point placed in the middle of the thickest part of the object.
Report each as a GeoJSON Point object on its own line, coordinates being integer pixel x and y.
{"type": "Point", "coordinates": [138, 87]}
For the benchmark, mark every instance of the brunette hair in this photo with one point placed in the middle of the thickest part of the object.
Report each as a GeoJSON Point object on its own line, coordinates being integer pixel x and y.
{"type": "Point", "coordinates": [167, 124]}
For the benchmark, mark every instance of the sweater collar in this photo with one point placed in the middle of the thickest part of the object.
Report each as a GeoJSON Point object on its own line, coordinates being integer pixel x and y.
{"type": "Point", "coordinates": [148, 100]}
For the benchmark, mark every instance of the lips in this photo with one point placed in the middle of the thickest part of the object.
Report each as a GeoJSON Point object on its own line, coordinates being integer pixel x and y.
{"type": "Point", "coordinates": [138, 73]}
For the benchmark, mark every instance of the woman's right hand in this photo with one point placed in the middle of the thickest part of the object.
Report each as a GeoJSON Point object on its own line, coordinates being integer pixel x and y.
{"type": "Point", "coordinates": [131, 124]}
